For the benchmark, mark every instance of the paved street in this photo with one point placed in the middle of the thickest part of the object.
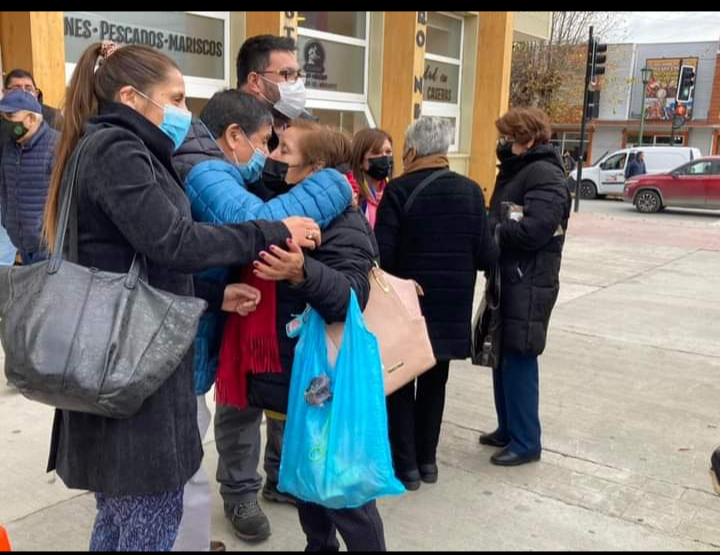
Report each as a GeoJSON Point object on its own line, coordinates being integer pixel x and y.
{"type": "Point", "coordinates": [630, 389]}
{"type": "Point", "coordinates": [617, 208]}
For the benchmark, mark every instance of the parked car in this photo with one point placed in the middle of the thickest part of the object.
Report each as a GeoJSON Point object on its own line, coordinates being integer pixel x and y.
{"type": "Point", "coordinates": [607, 175]}
{"type": "Point", "coordinates": [695, 184]}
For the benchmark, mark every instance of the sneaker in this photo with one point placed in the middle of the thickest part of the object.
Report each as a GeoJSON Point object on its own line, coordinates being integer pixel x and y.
{"type": "Point", "coordinates": [271, 493]}
{"type": "Point", "coordinates": [248, 521]}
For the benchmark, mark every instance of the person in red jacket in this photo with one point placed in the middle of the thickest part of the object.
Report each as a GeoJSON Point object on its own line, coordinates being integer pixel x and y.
{"type": "Point", "coordinates": [372, 167]}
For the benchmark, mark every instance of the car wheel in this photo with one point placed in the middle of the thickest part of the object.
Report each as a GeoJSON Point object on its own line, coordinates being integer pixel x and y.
{"type": "Point", "coordinates": [648, 202]}
{"type": "Point", "coordinates": [588, 190]}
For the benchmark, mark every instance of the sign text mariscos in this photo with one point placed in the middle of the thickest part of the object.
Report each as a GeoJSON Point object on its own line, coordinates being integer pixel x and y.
{"type": "Point", "coordinates": [102, 30]}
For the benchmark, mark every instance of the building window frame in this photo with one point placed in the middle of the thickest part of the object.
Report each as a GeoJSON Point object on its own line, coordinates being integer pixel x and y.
{"type": "Point", "coordinates": [446, 109]}
{"type": "Point", "coordinates": [330, 99]}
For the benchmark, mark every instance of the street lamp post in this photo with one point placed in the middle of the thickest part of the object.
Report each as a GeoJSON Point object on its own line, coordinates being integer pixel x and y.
{"type": "Point", "coordinates": [646, 76]}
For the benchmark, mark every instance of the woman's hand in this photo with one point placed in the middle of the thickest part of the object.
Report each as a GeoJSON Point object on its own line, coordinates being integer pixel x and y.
{"type": "Point", "coordinates": [241, 299]}
{"type": "Point", "coordinates": [304, 232]}
{"type": "Point", "coordinates": [281, 265]}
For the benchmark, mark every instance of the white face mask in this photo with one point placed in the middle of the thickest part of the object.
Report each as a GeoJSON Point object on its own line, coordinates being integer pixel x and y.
{"type": "Point", "coordinates": [292, 98]}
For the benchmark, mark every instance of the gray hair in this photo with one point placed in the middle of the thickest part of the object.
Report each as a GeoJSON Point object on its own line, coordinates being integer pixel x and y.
{"type": "Point", "coordinates": [429, 135]}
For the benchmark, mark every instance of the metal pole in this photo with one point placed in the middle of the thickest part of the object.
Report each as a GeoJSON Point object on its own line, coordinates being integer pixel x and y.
{"type": "Point", "coordinates": [642, 110]}
{"type": "Point", "coordinates": [588, 76]}
{"type": "Point", "coordinates": [642, 115]}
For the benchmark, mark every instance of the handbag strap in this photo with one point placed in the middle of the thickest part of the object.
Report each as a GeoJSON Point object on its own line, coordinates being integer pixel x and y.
{"type": "Point", "coordinates": [68, 220]}
{"type": "Point", "coordinates": [423, 184]}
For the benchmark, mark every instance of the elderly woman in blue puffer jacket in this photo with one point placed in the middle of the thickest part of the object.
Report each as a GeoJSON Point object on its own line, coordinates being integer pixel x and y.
{"type": "Point", "coordinates": [225, 167]}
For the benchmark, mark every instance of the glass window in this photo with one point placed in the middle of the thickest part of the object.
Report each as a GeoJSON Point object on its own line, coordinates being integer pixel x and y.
{"type": "Point", "coordinates": [348, 121]}
{"type": "Point", "coordinates": [349, 24]}
{"type": "Point", "coordinates": [442, 79]}
{"type": "Point", "coordinates": [332, 66]}
{"type": "Point", "coordinates": [444, 35]}
{"type": "Point", "coordinates": [441, 82]}
{"type": "Point", "coordinates": [648, 140]}
{"type": "Point", "coordinates": [453, 127]}
{"type": "Point", "coordinates": [616, 162]}
{"type": "Point", "coordinates": [699, 168]}
{"type": "Point", "coordinates": [668, 140]}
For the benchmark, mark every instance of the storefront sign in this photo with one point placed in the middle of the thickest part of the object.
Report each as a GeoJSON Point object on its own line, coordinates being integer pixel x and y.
{"type": "Point", "coordinates": [196, 43]}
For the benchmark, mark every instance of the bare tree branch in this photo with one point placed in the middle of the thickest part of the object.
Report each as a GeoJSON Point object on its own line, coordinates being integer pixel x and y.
{"type": "Point", "coordinates": [550, 75]}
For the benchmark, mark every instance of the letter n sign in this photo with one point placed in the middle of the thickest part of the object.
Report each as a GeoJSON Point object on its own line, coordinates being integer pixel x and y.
{"type": "Point", "coordinates": [419, 63]}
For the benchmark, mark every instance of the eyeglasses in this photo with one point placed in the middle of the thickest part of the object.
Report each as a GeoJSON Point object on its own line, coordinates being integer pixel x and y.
{"type": "Point", "coordinates": [26, 88]}
{"type": "Point", "coordinates": [290, 75]}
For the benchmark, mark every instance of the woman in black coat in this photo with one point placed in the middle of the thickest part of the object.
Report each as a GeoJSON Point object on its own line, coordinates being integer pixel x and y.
{"type": "Point", "coordinates": [131, 101]}
{"type": "Point", "coordinates": [323, 280]}
{"type": "Point", "coordinates": [441, 240]}
{"type": "Point", "coordinates": [529, 214]}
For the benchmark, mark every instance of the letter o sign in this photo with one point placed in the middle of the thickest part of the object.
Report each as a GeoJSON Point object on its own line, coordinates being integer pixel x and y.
{"type": "Point", "coordinates": [420, 38]}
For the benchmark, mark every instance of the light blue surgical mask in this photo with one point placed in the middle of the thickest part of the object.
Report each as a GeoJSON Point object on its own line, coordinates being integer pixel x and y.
{"type": "Point", "coordinates": [176, 121]}
{"type": "Point", "coordinates": [252, 170]}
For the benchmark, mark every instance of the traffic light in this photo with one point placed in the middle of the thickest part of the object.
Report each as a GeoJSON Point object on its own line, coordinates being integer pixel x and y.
{"type": "Point", "coordinates": [592, 110]}
{"type": "Point", "coordinates": [686, 85]}
{"type": "Point", "coordinates": [596, 59]}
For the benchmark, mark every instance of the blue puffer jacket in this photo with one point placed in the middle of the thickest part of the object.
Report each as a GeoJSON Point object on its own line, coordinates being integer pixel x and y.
{"type": "Point", "coordinates": [24, 179]}
{"type": "Point", "coordinates": [218, 195]}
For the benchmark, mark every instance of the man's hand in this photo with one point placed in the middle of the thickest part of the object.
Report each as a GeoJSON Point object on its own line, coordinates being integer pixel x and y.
{"type": "Point", "coordinates": [304, 232]}
{"type": "Point", "coordinates": [280, 265]}
{"type": "Point", "coordinates": [241, 299]}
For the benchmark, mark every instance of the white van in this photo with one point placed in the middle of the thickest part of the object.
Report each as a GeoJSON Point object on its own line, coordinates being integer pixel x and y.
{"type": "Point", "coordinates": [607, 175]}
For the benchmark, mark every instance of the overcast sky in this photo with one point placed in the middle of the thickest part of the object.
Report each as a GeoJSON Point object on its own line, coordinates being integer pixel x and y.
{"type": "Point", "coordinates": [670, 27]}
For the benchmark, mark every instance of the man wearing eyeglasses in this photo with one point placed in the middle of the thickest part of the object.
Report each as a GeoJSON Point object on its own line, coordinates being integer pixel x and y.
{"type": "Point", "coordinates": [21, 79]}
{"type": "Point", "coordinates": [267, 68]}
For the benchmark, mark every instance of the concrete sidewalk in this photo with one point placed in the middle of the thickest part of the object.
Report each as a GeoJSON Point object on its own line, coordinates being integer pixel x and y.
{"type": "Point", "coordinates": [630, 403]}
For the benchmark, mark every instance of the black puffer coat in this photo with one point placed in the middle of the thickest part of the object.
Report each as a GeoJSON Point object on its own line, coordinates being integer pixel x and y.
{"type": "Point", "coordinates": [343, 262]}
{"type": "Point", "coordinates": [531, 249]}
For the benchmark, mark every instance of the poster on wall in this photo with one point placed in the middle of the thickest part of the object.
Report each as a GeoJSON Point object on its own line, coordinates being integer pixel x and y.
{"type": "Point", "coordinates": [662, 89]}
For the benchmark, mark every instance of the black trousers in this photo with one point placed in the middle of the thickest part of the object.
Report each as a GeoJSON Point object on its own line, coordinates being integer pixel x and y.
{"type": "Point", "coordinates": [415, 418]}
{"type": "Point", "coordinates": [361, 528]}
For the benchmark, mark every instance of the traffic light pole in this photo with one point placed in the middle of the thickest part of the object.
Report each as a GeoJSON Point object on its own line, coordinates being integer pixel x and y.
{"type": "Point", "coordinates": [581, 157]}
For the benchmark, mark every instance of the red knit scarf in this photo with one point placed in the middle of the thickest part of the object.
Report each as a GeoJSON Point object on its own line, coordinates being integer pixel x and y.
{"type": "Point", "coordinates": [249, 345]}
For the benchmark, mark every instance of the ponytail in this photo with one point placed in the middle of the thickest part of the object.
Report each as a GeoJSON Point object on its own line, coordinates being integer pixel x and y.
{"type": "Point", "coordinates": [101, 72]}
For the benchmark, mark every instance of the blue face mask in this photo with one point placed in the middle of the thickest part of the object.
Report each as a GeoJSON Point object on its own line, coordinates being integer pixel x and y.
{"type": "Point", "coordinates": [176, 121]}
{"type": "Point", "coordinates": [253, 169]}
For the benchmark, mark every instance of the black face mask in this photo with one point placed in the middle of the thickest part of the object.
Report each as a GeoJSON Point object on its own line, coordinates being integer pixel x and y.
{"type": "Point", "coordinates": [504, 151]}
{"type": "Point", "coordinates": [14, 130]}
{"type": "Point", "coordinates": [380, 167]}
{"type": "Point", "coordinates": [274, 175]}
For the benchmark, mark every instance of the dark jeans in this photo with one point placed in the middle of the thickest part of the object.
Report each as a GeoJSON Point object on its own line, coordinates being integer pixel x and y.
{"type": "Point", "coordinates": [517, 398]}
{"type": "Point", "coordinates": [415, 418]}
{"type": "Point", "coordinates": [361, 528]}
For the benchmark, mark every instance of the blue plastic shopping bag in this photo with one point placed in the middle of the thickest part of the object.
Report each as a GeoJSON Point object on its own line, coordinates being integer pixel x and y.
{"type": "Point", "coordinates": [336, 450]}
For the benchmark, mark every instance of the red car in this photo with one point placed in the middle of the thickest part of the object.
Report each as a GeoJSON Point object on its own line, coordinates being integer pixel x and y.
{"type": "Point", "coordinates": [695, 184]}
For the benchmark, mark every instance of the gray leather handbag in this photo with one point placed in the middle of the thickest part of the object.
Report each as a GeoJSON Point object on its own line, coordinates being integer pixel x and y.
{"type": "Point", "coordinates": [85, 340]}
